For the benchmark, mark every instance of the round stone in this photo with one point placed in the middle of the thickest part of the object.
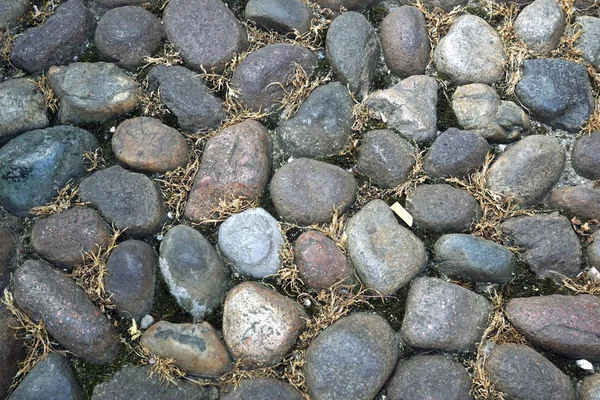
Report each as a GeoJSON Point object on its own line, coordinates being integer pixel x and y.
{"type": "Point", "coordinates": [593, 251]}
{"type": "Point", "coordinates": [540, 25]}
{"type": "Point", "coordinates": [283, 16]}
{"type": "Point", "coordinates": [12, 12]}
{"type": "Point", "coordinates": [261, 388]}
{"type": "Point", "coordinates": [577, 201]}
{"type": "Point", "coordinates": [23, 107]}
{"type": "Point", "coordinates": [585, 156]}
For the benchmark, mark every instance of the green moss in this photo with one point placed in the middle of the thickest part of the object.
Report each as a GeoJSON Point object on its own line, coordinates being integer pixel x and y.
{"type": "Point", "coordinates": [526, 284]}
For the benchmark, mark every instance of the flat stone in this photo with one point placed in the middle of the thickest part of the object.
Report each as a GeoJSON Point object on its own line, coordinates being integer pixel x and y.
{"type": "Point", "coordinates": [443, 316]}
{"type": "Point", "coordinates": [577, 201]}
{"type": "Point", "coordinates": [336, 5]}
{"type": "Point", "coordinates": [585, 156]}
{"type": "Point", "coordinates": [12, 350]}
{"type": "Point", "coordinates": [351, 359]}
{"type": "Point", "coordinates": [283, 16]}
{"type": "Point", "coordinates": [129, 200]}
{"type": "Point", "coordinates": [260, 326]}
{"type": "Point", "coordinates": [593, 251]}
{"type": "Point", "coordinates": [13, 12]}
{"type": "Point", "coordinates": [528, 170]}
{"type": "Point", "coordinates": [35, 165]}
{"type": "Point", "coordinates": [235, 163]}
{"type": "Point", "coordinates": [306, 191]}
{"type": "Point", "coordinates": [65, 237]}
{"type": "Point", "coordinates": [147, 145]}
{"type": "Point", "coordinates": [23, 108]}
{"type": "Point", "coordinates": [58, 41]}
{"type": "Point", "coordinates": [7, 251]}
{"type": "Point", "coordinates": [588, 42]}
{"type": "Point", "coordinates": [385, 255]}
{"type": "Point", "coordinates": [261, 388]}
{"type": "Point", "coordinates": [551, 247]}
{"type": "Point", "coordinates": [92, 92]}
{"type": "Point", "coordinates": [69, 316]}
{"type": "Point", "coordinates": [205, 32]}
{"type": "Point", "coordinates": [196, 348]}
{"type": "Point", "coordinates": [193, 270]}
{"type": "Point", "coordinates": [590, 388]}
{"type": "Point", "coordinates": [540, 25]}
{"type": "Point", "coordinates": [409, 108]}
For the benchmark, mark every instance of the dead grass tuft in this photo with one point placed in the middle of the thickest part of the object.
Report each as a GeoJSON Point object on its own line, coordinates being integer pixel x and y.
{"type": "Point", "coordinates": [7, 40]}
{"type": "Point", "coordinates": [593, 124]}
{"type": "Point", "coordinates": [367, 192]}
{"type": "Point", "coordinates": [94, 160]}
{"type": "Point", "coordinates": [301, 86]}
{"type": "Point", "coordinates": [164, 368]}
{"type": "Point", "coordinates": [228, 206]}
{"type": "Point", "coordinates": [240, 373]}
{"type": "Point", "coordinates": [39, 15]}
{"type": "Point", "coordinates": [176, 186]}
{"type": "Point", "coordinates": [168, 55]}
{"type": "Point", "coordinates": [68, 197]}
{"type": "Point", "coordinates": [335, 230]}
{"type": "Point", "coordinates": [288, 276]}
{"type": "Point", "coordinates": [49, 97]}
{"type": "Point", "coordinates": [586, 282]}
{"type": "Point", "coordinates": [416, 177]}
{"type": "Point", "coordinates": [151, 103]}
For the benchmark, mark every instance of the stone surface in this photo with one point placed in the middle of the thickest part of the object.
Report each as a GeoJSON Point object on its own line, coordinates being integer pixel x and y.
{"type": "Point", "coordinates": [385, 255]}
{"type": "Point", "coordinates": [130, 277]}
{"type": "Point", "coordinates": [35, 165]}
{"type": "Point", "coordinates": [528, 170]}
{"type": "Point", "coordinates": [196, 348]}
{"type": "Point", "coordinates": [235, 163]}
{"type": "Point", "coordinates": [335, 5]}
{"type": "Point", "coordinates": [522, 373]}
{"type": "Point", "coordinates": [251, 241]}
{"type": "Point", "coordinates": [260, 325]}
{"type": "Point", "coordinates": [351, 359]}
{"type": "Point", "coordinates": [261, 388]}
{"type": "Point", "coordinates": [443, 316]}
{"type": "Point", "coordinates": [70, 317]}
{"type": "Point", "coordinates": [7, 251]}
{"type": "Point", "coordinates": [405, 41]}
{"type": "Point", "coordinates": [352, 49]}
{"type": "Point", "coordinates": [193, 270]}
{"type": "Point", "coordinates": [64, 238]}
{"type": "Point", "coordinates": [119, 3]}
{"type": "Point", "coordinates": [147, 145]}
{"type": "Point", "coordinates": [13, 12]}
{"type": "Point", "coordinates": [23, 108]}
{"type": "Point", "coordinates": [92, 92]}
{"type": "Point", "coordinates": [472, 258]}
{"type": "Point", "coordinates": [129, 200]}
{"type": "Point", "coordinates": [322, 126]}
{"type": "Point", "coordinates": [12, 350]}
{"type": "Point", "coordinates": [385, 157]}
{"type": "Point", "coordinates": [590, 388]}
{"type": "Point", "coordinates": [58, 41]}
{"type": "Point", "coordinates": [588, 42]}
{"type": "Point", "coordinates": [556, 92]}
{"type": "Point", "coordinates": [146, 321]}
{"type": "Point", "coordinates": [426, 377]}
{"type": "Point", "coordinates": [209, 44]}
{"type": "Point", "coordinates": [551, 246]}
{"type": "Point", "coordinates": [446, 5]}
{"type": "Point", "coordinates": [471, 52]}
{"type": "Point", "coordinates": [307, 191]}
{"type": "Point", "coordinates": [409, 108]}
{"type": "Point", "coordinates": [283, 16]}
{"type": "Point", "coordinates": [540, 25]}
{"type": "Point", "coordinates": [585, 156]}
{"type": "Point", "coordinates": [263, 77]}
{"type": "Point", "coordinates": [577, 201]}
{"type": "Point", "coordinates": [593, 251]}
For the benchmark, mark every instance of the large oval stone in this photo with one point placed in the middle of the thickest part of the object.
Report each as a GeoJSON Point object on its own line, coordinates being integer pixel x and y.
{"type": "Point", "coordinates": [283, 16]}
{"type": "Point", "coordinates": [577, 201]}
{"type": "Point", "coordinates": [585, 156]}
{"type": "Point", "coordinates": [540, 25]}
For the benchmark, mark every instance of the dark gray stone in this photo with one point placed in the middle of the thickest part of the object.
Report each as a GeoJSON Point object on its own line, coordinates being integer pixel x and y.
{"type": "Point", "coordinates": [12, 12]}
{"type": "Point", "coordinates": [23, 108]}
{"type": "Point", "coordinates": [336, 5]}
{"type": "Point", "coordinates": [585, 156]}
{"type": "Point", "coordinates": [7, 251]}
{"type": "Point", "coordinates": [577, 201]}
{"type": "Point", "coordinates": [283, 16]}
{"type": "Point", "coordinates": [261, 388]}
{"type": "Point", "coordinates": [590, 388]}
{"type": "Point", "coordinates": [119, 3]}
{"type": "Point", "coordinates": [12, 350]}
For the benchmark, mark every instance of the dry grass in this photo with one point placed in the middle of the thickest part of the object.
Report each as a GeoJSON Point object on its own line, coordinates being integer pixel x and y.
{"type": "Point", "coordinates": [68, 197]}
{"type": "Point", "coordinates": [300, 86]}
{"type": "Point", "coordinates": [39, 15]}
{"type": "Point", "coordinates": [7, 40]}
{"type": "Point", "coordinates": [164, 368]}
{"type": "Point", "coordinates": [367, 192]}
{"type": "Point", "coordinates": [288, 276]}
{"type": "Point", "coordinates": [94, 160]}
{"type": "Point", "coordinates": [228, 206]}
{"type": "Point", "coordinates": [49, 97]}
{"type": "Point", "coordinates": [335, 230]}
{"type": "Point", "coordinates": [586, 282]}
{"type": "Point", "coordinates": [151, 103]}
{"type": "Point", "coordinates": [417, 176]}
{"type": "Point", "coordinates": [176, 186]}
{"type": "Point", "coordinates": [168, 56]}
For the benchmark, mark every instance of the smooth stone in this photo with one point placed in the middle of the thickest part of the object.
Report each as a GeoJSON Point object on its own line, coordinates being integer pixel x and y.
{"type": "Point", "coordinates": [446, 5]}
{"type": "Point", "coordinates": [551, 247]}
{"type": "Point", "coordinates": [588, 42]}
{"type": "Point", "coordinates": [593, 251]}
{"type": "Point", "coordinates": [351, 359]}
{"type": "Point", "coordinates": [385, 157]}
{"type": "Point", "coordinates": [322, 126]}
{"type": "Point", "coordinates": [577, 201]}
{"type": "Point", "coordinates": [146, 321]}
{"type": "Point", "coordinates": [405, 41]}
{"type": "Point", "coordinates": [409, 108]}
{"type": "Point", "coordinates": [7, 251]}
{"type": "Point", "coordinates": [590, 388]}
{"type": "Point", "coordinates": [252, 241]}
{"type": "Point", "coordinates": [385, 255]}
{"type": "Point", "coordinates": [540, 25]}
{"type": "Point", "coordinates": [126, 35]}
{"type": "Point", "coordinates": [186, 96]}
{"type": "Point", "coordinates": [263, 389]}
{"type": "Point", "coordinates": [130, 278]}
{"type": "Point", "coordinates": [585, 156]}
{"type": "Point", "coordinates": [443, 316]}
{"type": "Point", "coordinates": [13, 12]}
{"type": "Point", "coordinates": [306, 191]}
{"type": "Point", "coordinates": [35, 165]}
{"type": "Point", "coordinates": [522, 373]}
{"type": "Point", "coordinates": [205, 32]}
{"type": "Point", "coordinates": [283, 16]}
{"type": "Point", "coordinates": [70, 317]}
{"type": "Point", "coordinates": [556, 92]}
{"type": "Point", "coordinates": [235, 163]}
{"type": "Point", "coordinates": [260, 326]}
{"type": "Point", "coordinates": [352, 49]}
{"type": "Point", "coordinates": [528, 170]}
{"type": "Point", "coordinates": [119, 3]}
{"type": "Point", "coordinates": [129, 200]}
{"type": "Point", "coordinates": [196, 348]}
{"type": "Point", "coordinates": [349, 5]}
{"type": "Point", "coordinates": [65, 237]}
{"type": "Point", "coordinates": [12, 350]}
{"type": "Point", "coordinates": [147, 145]}
{"type": "Point", "coordinates": [58, 41]}
{"type": "Point", "coordinates": [23, 108]}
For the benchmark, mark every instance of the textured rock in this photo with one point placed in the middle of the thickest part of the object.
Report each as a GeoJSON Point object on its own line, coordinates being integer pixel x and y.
{"type": "Point", "coordinates": [23, 108]}
{"type": "Point", "coordinates": [590, 388]}
{"type": "Point", "coordinates": [577, 201]}
{"type": "Point", "coordinates": [7, 251]}
{"type": "Point", "coordinates": [283, 16]}
{"type": "Point", "coordinates": [446, 5]}
{"type": "Point", "coordinates": [12, 350]}
{"type": "Point", "coordinates": [585, 156]}
{"type": "Point", "coordinates": [261, 388]}
{"type": "Point", "coordinates": [588, 42]}
{"type": "Point", "coordinates": [119, 3]}
{"type": "Point", "coordinates": [335, 5]}
{"type": "Point", "coordinates": [12, 12]}
{"type": "Point", "coordinates": [540, 25]}
{"type": "Point", "coordinates": [593, 251]}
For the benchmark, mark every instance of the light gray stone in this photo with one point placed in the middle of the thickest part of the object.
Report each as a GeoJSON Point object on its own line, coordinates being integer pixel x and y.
{"type": "Point", "coordinates": [589, 40]}
{"type": "Point", "coordinates": [540, 25]}
{"type": "Point", "coordinates": [23, 108]}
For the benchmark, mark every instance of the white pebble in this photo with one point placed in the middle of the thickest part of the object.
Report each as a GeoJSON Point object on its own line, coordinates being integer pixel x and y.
{"type": "Point", "coordinates": [585, 365]}
{"type": "Point", "coordinates": [146, 322]}
{"type": "Point", "coordinates": [307, 303]}
{"type": "Point", "coordinates": [159, 237]}
{"type": "Point", "coordinates": [170, 215]}
{"type": "Point", "coordinates": [112, 129]}
{"type": "Point", "coordinates": [594, 274]}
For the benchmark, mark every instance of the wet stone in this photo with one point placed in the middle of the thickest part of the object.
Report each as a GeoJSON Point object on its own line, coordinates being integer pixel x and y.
{"type": "Point", "coordinates": [261, 388]}
{"type": "Point", "coordinates": [540, 25]}
{"type": "Point", "coordinates": [283, 16]}
{"type": "Point", "coordinates": [577, 201]}
{"type": "Point", "coordinates": [585, 156]}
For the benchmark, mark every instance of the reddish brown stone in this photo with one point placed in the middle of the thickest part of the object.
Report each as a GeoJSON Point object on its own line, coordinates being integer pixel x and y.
{"type": "Point", "coordinates": [11, 351]}
{"type": "Point", "coordinates": [577, 201]}
{"type": "Point", "coordinates": [7, 250]}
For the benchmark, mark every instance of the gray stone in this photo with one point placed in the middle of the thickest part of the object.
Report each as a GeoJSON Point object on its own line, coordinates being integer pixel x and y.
{"type": "Point", "coordinates": [588, 42]}
{"type": "Point", "coordinates": [352, 49]}
{"type": "Point", "coordinates": [146, 321]}
{"type": "Point", "coordinates": [12, 350]}
{"type": "Point", "coordinates": [471, 52]}
{"type": "Point", "coordinates": [263, 389]}
{"type": "Point", "coordinates": [585, 156]}
{"type": "Point", "coordinates": [351, 359]}
{"type": "Point", "coordinates": [443, 316]}
{"type": "Point", "coordinates": [251, 241]}
{"type": "Point", "coordinates": [129, 200]}
{"type": "Point", "coordinates": [405, 41]}
{"type": "Point", "coordinates": [322, 126]}
{"type": "Point", "coordinates": [410, 108]}
{"type": "Point", "coordinates": [23, 108]}
{"type": "Point", "coordinates": [58, 41]}
{"type": "Point", "coordinates": [337, 5]}
{"type": "Point", "coordinates": [35, 165]}
{"type": "Point", "coordinates": [385, 255]}
{"type": "Point", "coordinates": [13, 12]}
{"type": "Point", "coordinates": [193, 270]}
{"type": "Point", "coordinates": [556, 92]}
{"type": "Point", "coordinates": [306, 191]}
{"type": "Point", "coordinates": [205, 32]}
{"type": "Point", "coordinates": [528, 170]}
{"type": "Point", "coordinates": [540, 25]}
{"type": "Point", "coordinates": [283, 16]}
{"type": "Point", "coordinates": [577, 201]}
{"type": "Point", "coordinates": [7, 251]}
{"type": "Point", "coordinates": [385, 157]}
{"type": "Point", "coordinates": [446, 5]}
{"type": "Point", "coordinates": [551, 247]}
{"type": "Point", "coordinates": [472, 258]}
{"type": "Point", "coordinates": [119, 3]}
{"type": "Point", "coordinates": [593, 251]}
{"type": "Point", "coordinates": [590, 388]}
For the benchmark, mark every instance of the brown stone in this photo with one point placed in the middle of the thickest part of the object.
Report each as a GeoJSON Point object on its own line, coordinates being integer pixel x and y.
{"type": "Point", "coordinates": [11, 351]}
{"type": "Point", "coordinates": [577, 201]}
{"type": "Point", "coordinates": [7, 250]}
